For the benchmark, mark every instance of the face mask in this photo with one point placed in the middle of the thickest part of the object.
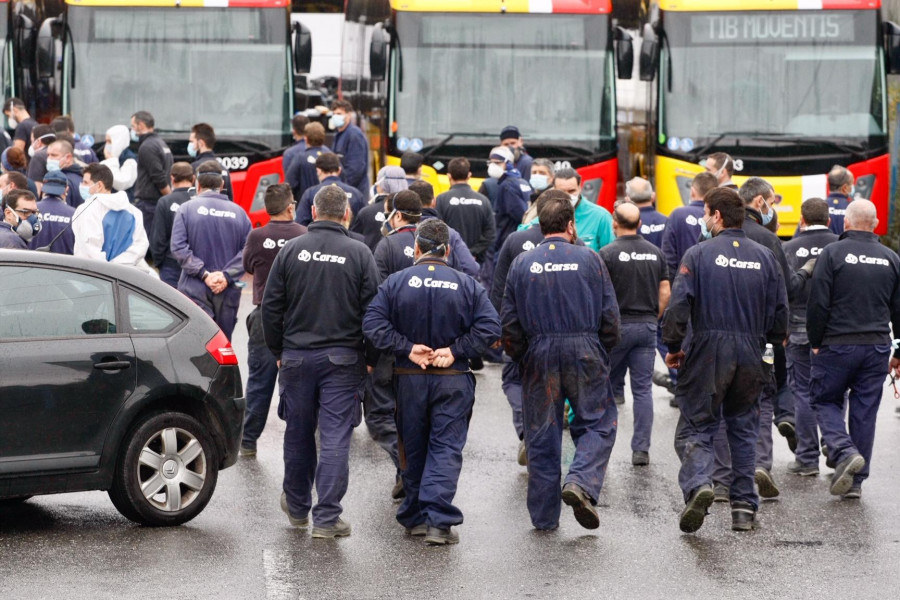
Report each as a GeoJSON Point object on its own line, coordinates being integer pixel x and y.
{"type": "Point", "coordinates": [134, 136]}
{"type": "Point", "coordinates": [85, 191]}
{"type": "Point", "coordinates": [31, 151]}
{"type": "Point", "coordinates": [337, 121]}
{"type": "Point", "coordinates": [192, 150]}
{"type": "Point", "coordinates": [574, 198]}
{"type": "Point", "coordinates": [539, 182]}
{"type": "Point", "coordinates": [107, 149]}
{"type": "Point", "coordinates": [12, 122]}
{"type": "Point", "coordinates": [704, 230]}
{"type": "Point", "coordinates": [52, 164]}
{"type": "Point", "coordinates": [386, 228]}
{"type": "Point", "coordinates": [767, 217]}
{"type": "Point", "coordinates": [27, 228]}
{"type": "Point", "coordinates": [495, 171]}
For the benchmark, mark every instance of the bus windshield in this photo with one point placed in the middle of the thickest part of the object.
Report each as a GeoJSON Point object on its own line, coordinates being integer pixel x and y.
{"type": "Point", "coordinates": [228, 67]}
{"type": "Point", "coordinates": [550, 75]}
{"type": "Point", "coordinates": [776, 73]}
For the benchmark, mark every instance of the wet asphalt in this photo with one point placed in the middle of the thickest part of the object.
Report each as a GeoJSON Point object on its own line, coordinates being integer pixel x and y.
{"type": "Point", "coordinates": [809, 545]}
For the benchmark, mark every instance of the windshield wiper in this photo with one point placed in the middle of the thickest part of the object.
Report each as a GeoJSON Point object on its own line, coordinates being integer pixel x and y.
{"type": "Point", "coordinates": [854, 149]}
{"type": "Point", "coordinates": [455, 134]}
{"type": "Point", "coordinates": [698, 152]}
{"type": "Point", "coordinates": [241, 143]}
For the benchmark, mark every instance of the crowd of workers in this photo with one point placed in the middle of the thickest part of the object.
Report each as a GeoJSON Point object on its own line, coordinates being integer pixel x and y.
{"type": "Point", "coordinates": [379, 302]}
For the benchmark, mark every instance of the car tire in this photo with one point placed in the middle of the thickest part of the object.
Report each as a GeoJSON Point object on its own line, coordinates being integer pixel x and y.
{"type": "Point", "coordinates": [167, 470]}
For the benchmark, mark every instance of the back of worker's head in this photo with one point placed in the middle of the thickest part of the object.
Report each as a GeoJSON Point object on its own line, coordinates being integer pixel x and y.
{"type": "Point", "coordinates": [278, 198]}
{"type": "Point", "coordinates": [425, 191]}
{"type": "Point", "coordinates": [315, 134]}
{"type": "Point", "coordinates": [459, 169]}
{"type": "Point", "coordinates": [728, 203]}
{"type": "Point", "coordinates": [703, 183]}
{"type": "Point", "coordinates": [626, 216]}
{"type": "Point", "coordinates": [555, 214]}
{"type": "Point", "coordinates": [839, 177]}
{"type": "Point", "coordinates": [182, 172]}
{"type": "Point", "coordinates": [330, 203]}
{"type": "Point", "coordinates": [433, 237]}
{"type": "Point", "coordinates": [411, 162]}
{"type": "Point", "coordinates": [639, 190]}
{"type": "Point", "coordinates": [814, 211]}
{"type": "Point", "coordinates": [328, 163]}
{"type": "Point", "coordinates": [408, 204]}
{"type": "Point", "coordinates": [861, 216]}
{"type": "Point", "coordinates": [391, 180]}
{"type": "Point", "coordinates": [209, 176]}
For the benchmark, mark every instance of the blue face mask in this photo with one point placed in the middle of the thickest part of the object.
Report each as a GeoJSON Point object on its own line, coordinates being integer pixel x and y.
{"type": "Point", "coordinates": [192, 150]}
{"type": "Point", "coordinates": [85, 191]}
{"type": "Point", "coordinates": [704, 230]}
{"type": "Point", "coordinates": [767, 217]}
{"type": "Point", "coordinates": [539, 182]}
{"type": "Point", "coordinates": [52, 164]}
{"type": "Point", "coordinates": [134, 136]}
{"type": "Point", "coordinates": [337, 121]}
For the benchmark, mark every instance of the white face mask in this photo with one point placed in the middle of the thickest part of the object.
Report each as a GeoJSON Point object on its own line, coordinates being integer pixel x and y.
{"type": "Point", "coordinates": [31, 151]}
{"type": "Point", "coordinates": [574, 198]}
{"type": "Point", "coordinates": [495, 171]}
{"type": "Point", "coordinates": [12, 122]}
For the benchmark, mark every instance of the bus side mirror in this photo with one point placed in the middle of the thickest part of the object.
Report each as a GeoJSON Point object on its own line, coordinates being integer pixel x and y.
{"type": "Point", "coordinates": [624, 53]}
{"type": "Point", "coordinates": [378, 51]}
{"type": "Point", "coordinates": [302, 48]}
{"type": "Point", "coordinates": [45, 51]}
{"type": "Point", "coordinates": [649, 53]}
{"type": "Point", "coordinates": [891, 33]}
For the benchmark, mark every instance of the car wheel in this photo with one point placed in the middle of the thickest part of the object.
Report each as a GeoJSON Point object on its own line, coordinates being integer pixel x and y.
{"type": "Point", "coordinates": [166, 472]}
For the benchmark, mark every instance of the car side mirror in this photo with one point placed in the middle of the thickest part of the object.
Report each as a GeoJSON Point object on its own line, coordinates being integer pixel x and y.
{"type": "Point", "coordinates": [649, 53]}
{"type": "Point", "coordinates": [891, 32]}
{"type": "Point", "coordinates": [624, 53]}
{"type": "Point", "coordinates": [302, 48]}
{"type": "Point", "coordinates": [378, 51]}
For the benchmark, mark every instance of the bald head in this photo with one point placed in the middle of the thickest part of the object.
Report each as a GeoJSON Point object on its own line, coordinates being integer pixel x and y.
{"type": "Point", "coordinates": [626, 218]}
{"type": "Point", "coordinates": [639, 191]}
{"type": "Point", "coordinates": [861, 216]}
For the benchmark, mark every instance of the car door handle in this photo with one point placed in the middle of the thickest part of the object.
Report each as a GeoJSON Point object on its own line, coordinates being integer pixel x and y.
{"type": "Point", "coordinates": [113, 365]}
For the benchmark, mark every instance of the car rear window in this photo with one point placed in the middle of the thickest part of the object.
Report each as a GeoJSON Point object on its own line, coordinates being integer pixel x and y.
{"type": "Point", "coordinates": [147, 316]}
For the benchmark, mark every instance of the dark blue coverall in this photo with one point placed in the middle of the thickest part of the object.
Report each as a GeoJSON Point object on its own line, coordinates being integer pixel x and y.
{"type": "Point", "coordinates": [353, 146]}
{"type": "Point", "coordinates": [432, 304]}
{"type": "Point", "coordinates": [560, 319]}
{"type": "Point", "coordinates": [208, 235]}
{"type": "Point", "coordinates": [513, 197]}
{"type": "Point", "coordinates": [304, 206]}
{"type": "Point", "coordinates": [731, 291]}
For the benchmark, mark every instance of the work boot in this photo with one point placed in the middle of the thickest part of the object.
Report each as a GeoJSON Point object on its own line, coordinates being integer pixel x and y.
{"type": "Point", "coordinates": [247, 452]}
{"type": "Point", "coordinates": [640, 459]}
{"type": "Point", "coordinates": [673, 402]}
{"type": "Point", "coordinates": [337, 529]}
{"type": "Point", "coordinates": [743, 516]}
{"type": "Point", "coordinates": [765, 483]}
{"type": "Point", "coordinates": [722, 493]}
{"type": "Point", "coordinates": [523, 454]}
{"type": "Point", "coordinates": [695, 510]}
{"type": "Point", "coordinates": [824, 447]}
{"type": "Point", "coordinates": [663, 380]}
{"type": "Point", "coordinates": [397, 492]}
{"type": "Point", "coordinates": [295, 521]}
{"type": "Point", "coordinates": [577, 498]}
{"type": "Point", "coordinates": [417, 530]}
{"type": "Point", "coordinates": [788, 432]}
{"type": "Point", "coordinates": [619, 400]}
{"type": "Point", "coordinates": [803, 470]}
{"type": "Point", "coordinates": [842, 480]}
{"type": "Point", "coordinates": [441, 537]}
{"type": "Point", "coordinates": [854, 493]}
{"type": "Point", "coordinates": [476, 364]}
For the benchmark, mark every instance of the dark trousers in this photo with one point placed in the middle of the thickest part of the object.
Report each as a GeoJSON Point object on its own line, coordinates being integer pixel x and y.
{"type": "Point", "coordinates": [663, 350]}
{"type": "Point", "coordinates": [512, 387]}
{"type": "Point", "coordinates": [554, 369]}
{"type": "Point", "coordinates": [148, 209]}
{"type": "Point", "coordinates": [170, 271]}
{"type": "Point", "coordinates": [222, 308]}
{"type": "Point", "coordinates": [798, 370]}
{"type": "Point", "coordinates": [320, 389]}
{"type": "Point", "coordinates": [720, 381]}
{"type": "Point", "coordinates": [262, 375]}
{"type": "Point", "coordinates": [433, 413]}
{"type": "Point", "coordinates": [862, 369]}
{"type": "Point", "coordinates": [379, 405]}
{"type": "Point", "coordinates": [636, 353]}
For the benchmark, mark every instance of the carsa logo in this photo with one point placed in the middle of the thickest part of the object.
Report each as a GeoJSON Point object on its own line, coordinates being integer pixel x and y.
{"type": "Point", "coordinates": [802, 252]}
{"type": "Point", "coordinates": [624, 257]}
{"type": "Point", "coordinates": [721, 261]}
{"type": "Point", "coordinates": [305, 256]}
{"type": "Point", "coordinates": [174, 207]}
{"type": "Point", "coordinates": [415, 282]}
{"type": "Point", "coordinates": [408, 251]}
{"type": "Point", "coordinates": [202, 210]}
{"type": "Point", "coordinates": [851, 259]}
{"type": "Point", "coordinates": [537, 268]}
{"type": "Point", "coordinates": [380, 217]}
{"type": "Point", "coordinates": [691, 220]}
{"type": "Point", "coordinates": [454, 201]}
{"type": "Point", "coordinates": [269, 244]}
{"type": "Point", "coordinates": [529, 245]}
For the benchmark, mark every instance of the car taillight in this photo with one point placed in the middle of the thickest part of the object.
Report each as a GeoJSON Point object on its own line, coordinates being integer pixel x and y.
{"type": "Point", "coordinates": [220, 349]}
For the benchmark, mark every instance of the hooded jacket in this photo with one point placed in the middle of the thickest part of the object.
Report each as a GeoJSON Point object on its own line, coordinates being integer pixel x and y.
{"type": "Point", "coordinates": [123, 163]}
{"type": "Point", "coordinates": [107, 227]}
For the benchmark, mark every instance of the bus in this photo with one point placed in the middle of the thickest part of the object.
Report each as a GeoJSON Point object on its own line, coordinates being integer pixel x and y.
{"type": "Point", "coordinates": [443, 79]}
{"type": "Point", "coordinates": [230, 63]}
{"type": "Point", "coordinates": [787, 92]}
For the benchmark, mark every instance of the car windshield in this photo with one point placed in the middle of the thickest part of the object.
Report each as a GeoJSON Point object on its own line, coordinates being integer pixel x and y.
{"type": "Point", "coordinates": [225, 66]}
{"type": "Point", "coordinates": [809, 73]}
{"type": "Point", "coordinates": [551, 75]}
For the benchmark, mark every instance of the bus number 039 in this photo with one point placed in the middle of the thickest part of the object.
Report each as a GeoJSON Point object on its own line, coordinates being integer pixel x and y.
{"type": "Point", "coordinates": [234, 163]}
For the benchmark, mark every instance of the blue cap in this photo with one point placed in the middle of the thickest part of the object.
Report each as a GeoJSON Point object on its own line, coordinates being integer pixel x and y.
{"type": "Point", "coordinates": [54, 184]}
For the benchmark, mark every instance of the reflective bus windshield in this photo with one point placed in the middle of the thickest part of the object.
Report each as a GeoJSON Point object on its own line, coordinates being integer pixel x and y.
{"type": "Point", "coordinates": [549, 74]}
{"type": "Point", "coordinates": [805, 74]}
{"type": "Point", "coordinates": [228, 67]}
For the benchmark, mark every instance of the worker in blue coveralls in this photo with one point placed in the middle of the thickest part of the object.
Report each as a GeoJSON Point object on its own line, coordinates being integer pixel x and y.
{"type": "Point", "coordinates": [560, 320]}
{"type": "Point", "coordinates": [854, 294]}
{"type": "Point", "coordinates": [208, 237]}
{"type": "Point", "coordinates": [317, 293]}
{"type": "Point", "coordinates": [433, 319]}
{"type": "Point", "coordinates": [730, 290]}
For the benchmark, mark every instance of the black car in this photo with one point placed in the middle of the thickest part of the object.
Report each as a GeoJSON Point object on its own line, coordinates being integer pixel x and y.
{"type": "Point", "coordinates": [112, 380]}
